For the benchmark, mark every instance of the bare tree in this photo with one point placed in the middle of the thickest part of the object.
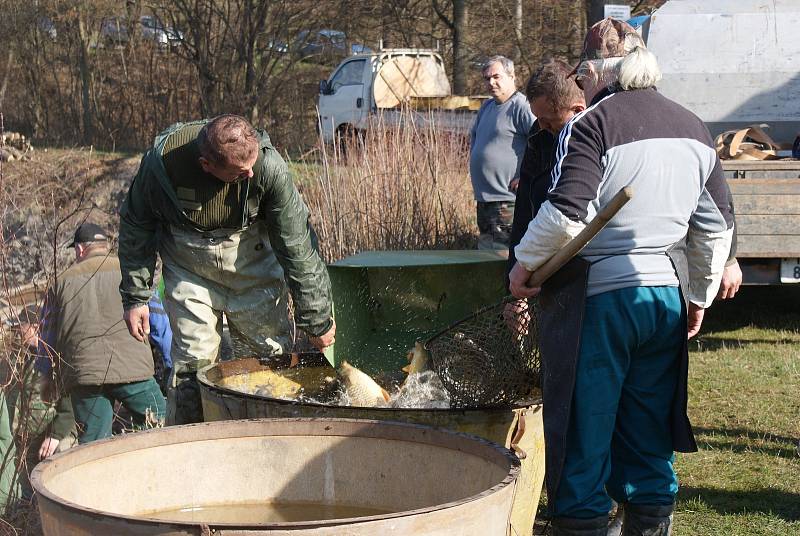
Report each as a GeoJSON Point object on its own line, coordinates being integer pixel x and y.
{"type": "Point", "coordinates": [517, 30]}
{"type": "Point", "coordinates": [85, 69]}
{"type": "Point", "coordinates": [231, 57]}
{"type": "Point", "coordinates": [458, 25]}
{"type": "Point", "coordinates": [234, 49]}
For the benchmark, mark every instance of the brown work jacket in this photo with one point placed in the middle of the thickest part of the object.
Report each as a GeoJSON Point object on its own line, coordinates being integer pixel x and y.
{"type": "Point", "coordinates": [83, 323]}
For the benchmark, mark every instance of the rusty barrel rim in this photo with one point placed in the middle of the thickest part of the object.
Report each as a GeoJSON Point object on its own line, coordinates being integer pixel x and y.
{"type": "Point", "coordinates": [245, 365]}
{"type": "Point", "coordinates": [365, 428]}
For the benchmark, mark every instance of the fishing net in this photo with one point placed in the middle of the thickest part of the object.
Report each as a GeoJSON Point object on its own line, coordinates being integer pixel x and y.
{"type": "Point", "coordinates": [490, 359]}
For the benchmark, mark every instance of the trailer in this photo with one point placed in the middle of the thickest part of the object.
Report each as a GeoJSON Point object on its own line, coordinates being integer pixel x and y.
{"type": "Point", "coordinates": [734, 64]}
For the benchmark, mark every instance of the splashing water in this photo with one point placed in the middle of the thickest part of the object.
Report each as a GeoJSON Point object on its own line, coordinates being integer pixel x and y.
{"type": "Point", "coordinates": [421, 390]}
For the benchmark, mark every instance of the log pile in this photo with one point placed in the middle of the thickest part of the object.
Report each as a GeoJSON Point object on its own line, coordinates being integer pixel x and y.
{"type": "Point", "coordinates": [14, 146]}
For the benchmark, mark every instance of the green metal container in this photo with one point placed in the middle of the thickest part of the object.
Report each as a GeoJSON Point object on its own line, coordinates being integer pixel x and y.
{"type": "Point", "coordinates": [385, 301]}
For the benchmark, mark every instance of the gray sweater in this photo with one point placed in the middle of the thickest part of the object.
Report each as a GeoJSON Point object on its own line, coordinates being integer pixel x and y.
{"type": "Point", "coordinates": [497, 143]}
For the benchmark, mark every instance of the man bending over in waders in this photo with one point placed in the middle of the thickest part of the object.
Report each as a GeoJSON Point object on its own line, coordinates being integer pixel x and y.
{"type": "Point", "coordinates": [216, 201]}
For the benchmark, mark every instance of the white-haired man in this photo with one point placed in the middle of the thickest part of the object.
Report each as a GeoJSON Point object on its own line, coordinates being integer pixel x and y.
{"type": "Point", "coordinates": [497, 143]}
{"type": "Point", "coordinates": [615, 357]}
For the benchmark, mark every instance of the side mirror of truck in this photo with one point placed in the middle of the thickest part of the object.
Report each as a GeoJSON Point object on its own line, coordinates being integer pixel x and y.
{"type": "Point", "coordinates": [324, 88]}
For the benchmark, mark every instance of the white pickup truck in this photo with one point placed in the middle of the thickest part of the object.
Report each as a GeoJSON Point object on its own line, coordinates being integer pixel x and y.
{"type": "Point", "coordinates": [734, 64]}
{"type": "Point", "coordinates": [389, 87]}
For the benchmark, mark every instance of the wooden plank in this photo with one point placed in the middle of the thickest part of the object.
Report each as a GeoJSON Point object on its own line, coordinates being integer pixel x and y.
{"type": "Point", "coordinates": [770, 204]}
{"type": "Point", "coordinates": [761, 165]}
{"type": "Point", "coordinates": [765, 186]}
{"type": "Point", "coordinates": [767, 225]}
{"type": "Point", "coordinates": [767, 246]}
{"type": "Point", "coordinates": [768, 217]}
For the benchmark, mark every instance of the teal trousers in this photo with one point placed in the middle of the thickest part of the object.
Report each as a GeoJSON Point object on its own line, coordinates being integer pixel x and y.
{"type": "Point", "coordinates": [94, 407]}
{"type": "Point", "coordinates": [618, 441]}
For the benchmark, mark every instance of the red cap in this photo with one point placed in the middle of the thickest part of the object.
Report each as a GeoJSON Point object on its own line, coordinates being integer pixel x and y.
{"type": "Point", "coordinates": [609, 38]}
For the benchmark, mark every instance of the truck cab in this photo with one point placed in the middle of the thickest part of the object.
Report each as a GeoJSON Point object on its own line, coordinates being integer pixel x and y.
{"type": "Point", "coordinates": [365, 85]}
{"type": "Point", "coordinates": [342, 102]}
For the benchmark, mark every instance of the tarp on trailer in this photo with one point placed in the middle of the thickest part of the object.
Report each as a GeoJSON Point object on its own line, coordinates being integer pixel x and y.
{"type": "Point", "coordinates": [401, 77]}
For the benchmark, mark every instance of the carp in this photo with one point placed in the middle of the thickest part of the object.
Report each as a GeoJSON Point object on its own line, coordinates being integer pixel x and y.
{"type": "Point", "coordinates": [361, 389]}
{"type": "Point", "coordinates": [418, 359]}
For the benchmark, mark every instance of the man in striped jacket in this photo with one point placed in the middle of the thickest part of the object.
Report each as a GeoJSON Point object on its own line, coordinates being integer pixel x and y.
{"type": "Point", "coordinates": [614, 322]}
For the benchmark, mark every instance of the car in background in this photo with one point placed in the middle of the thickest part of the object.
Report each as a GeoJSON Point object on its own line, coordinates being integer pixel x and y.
{"type": "Point", "coordinates": [278, 46]}
{"type": "Point", "coordinates": [114, 31]}
{"type": "Point", "coordinates": [325, 45]}
{"type": "Point", "coordinates": [47, 27]}
{"type": "Point", "coordinates": [154, 30]}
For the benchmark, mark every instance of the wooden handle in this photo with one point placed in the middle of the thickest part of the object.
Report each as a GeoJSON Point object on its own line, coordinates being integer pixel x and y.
{"type": "Point", "coordinates": [574, 246]}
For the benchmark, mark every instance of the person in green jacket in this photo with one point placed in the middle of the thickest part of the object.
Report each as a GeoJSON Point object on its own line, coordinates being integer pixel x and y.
{"type": "Point", "coordinates": [216, 201]}
{"type": "Point", "coordinates": [41, 427]}
{"type": "Point", "coordinates": [9, 483]}
{"type": "Point", "coordinates": [33, 428]}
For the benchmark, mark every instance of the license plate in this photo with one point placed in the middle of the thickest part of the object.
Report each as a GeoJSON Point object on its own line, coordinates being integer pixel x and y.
{"type": "Point", "coordinates": [790, 270]}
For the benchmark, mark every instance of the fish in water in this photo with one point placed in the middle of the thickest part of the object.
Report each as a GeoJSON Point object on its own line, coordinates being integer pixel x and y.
{"type": "Point", "coordinates": [421, 390]}
{"type": "Point", "coordinates": [417, 359]}
{"type": "Point", "coordinates": [361, 389]}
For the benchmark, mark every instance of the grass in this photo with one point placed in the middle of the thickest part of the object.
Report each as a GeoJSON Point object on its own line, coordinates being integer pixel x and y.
{"type": "Point", "coordinates": [744, 403]}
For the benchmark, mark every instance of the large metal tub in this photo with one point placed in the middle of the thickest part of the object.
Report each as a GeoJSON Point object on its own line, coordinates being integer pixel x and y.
{"type": "Point", "coordinates": [223, 389]}
{"type": "Point", "coordinates": [427, 481]}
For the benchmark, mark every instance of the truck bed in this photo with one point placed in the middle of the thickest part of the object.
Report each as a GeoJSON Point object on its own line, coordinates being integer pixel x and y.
{"type": "Point", "coordinates": [766, 197]}
{"type": "Point", "coordinates": [451, 102]}
{"type": "Point", "coordinates": [454, 121]}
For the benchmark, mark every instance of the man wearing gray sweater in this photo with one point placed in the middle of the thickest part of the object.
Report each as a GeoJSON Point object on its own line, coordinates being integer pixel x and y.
{"type": "Point", "coordinates": [497, 143]}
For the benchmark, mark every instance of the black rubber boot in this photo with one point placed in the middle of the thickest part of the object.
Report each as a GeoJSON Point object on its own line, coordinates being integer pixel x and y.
{"type": "Point", "coordinates": [644, 520]}
{"type": "Point", "coordinates": [571, 526]}
{"type": "Point", "coordinates": [615, 523]}
{"type": "Point", "coordinates": [184, 405]}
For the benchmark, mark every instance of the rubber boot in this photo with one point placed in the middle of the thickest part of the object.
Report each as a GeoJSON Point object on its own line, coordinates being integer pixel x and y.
{"type": "Point", "coordinates": [644, 520]}
{"type": "Point", "coordinates": [184, 405]}
{"type": "Point", "coordinates": [571, 526]}
{"type": "Point", "coordinates": [615, 523]}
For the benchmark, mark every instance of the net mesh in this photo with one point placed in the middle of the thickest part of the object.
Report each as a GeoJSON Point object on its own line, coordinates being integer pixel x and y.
{"type": "Point", "coordinates": [490, 359]}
